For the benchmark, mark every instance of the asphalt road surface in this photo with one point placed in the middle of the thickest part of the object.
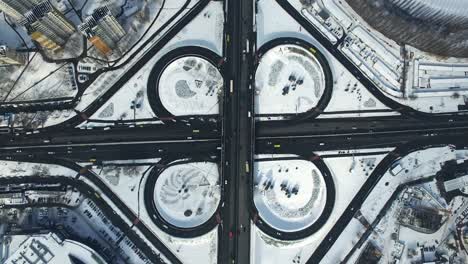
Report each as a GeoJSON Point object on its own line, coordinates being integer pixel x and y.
{"type": "Point", "coordinates": [238, 134]}
{"type": "Point", "coordinates": [238, 139]}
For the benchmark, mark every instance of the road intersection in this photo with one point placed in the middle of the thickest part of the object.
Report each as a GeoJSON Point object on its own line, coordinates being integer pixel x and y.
{"type": "Point", "coordinates": [234, 141]}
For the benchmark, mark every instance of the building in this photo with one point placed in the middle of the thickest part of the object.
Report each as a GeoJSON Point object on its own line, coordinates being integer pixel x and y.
{"type": "Point", "coordinates": [85, 67]}
{"type": "Point", "coordinates": [370, 254]}
{"type": "Point", "coordinates": [421, 219]}
{"type": "Point", "coordinates": [452, 179]}
{"type": "Point", "coordinates": [48, 26]}
{"type": "Point", "coordinates": [52, 249]}
{"type": "Point", "coordinates": [9, 56]}
{"type": "Point", "coordinates": [102, 29]}
{"type": "Point", "coordinates": [16, 8]}
{"type": "Point", "coordinates": [44, 41]}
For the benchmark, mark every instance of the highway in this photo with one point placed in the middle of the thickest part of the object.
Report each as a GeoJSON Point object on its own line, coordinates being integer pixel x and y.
{"type": "Point", "coordinates": [238, 133]}
{"type": "Point", "coordinates": [351, 125]}
{"type": "Point", "coordinates": [162, 140]}
{"type": "Point", "coordinates": [295, 144]}
{"type": "Point", "coordinates": [113, 144]}
{"type": "Point", "coordinates": [234, 142]}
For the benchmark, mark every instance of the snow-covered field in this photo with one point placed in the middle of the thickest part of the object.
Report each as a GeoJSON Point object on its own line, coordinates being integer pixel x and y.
{"type": "Point", "coordinates": [187, 195]}
{"type": "Point", "coordinates": [40, 119]}
{"type": "Point", "coordinates": [349, 173]}
{"type": "Point", "coordinates": [37, 80]}
{"type": "Point", "coordinates": [416, 165]}
{"type": "Point", "coordinates": [345, 85]}
{"type": "Point", "coordinates": [289, 80]}
{"type": "Point", "coordinates": [381, 59]}
{"type": "Point", "coordinates": [290, 195]}
{"type": "Point", "coordinates": [206, 30]}
{"type": "Point", "coordinates": [190, 86]}
{"type": "Point", "coordinates": [13, 168]}
{"type": "Point", "coordinates": [56, 251]}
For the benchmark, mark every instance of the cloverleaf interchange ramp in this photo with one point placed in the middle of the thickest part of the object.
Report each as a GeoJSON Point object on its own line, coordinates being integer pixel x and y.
{"type": "Point", "coordinates": [234, 140]}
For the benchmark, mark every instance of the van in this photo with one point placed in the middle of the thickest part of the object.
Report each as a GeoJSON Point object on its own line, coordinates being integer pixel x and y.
{"type": "Point", "coordinates": [396, 168]}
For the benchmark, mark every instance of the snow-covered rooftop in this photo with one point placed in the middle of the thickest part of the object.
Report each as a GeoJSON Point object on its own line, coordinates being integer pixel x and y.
{"type": "Point", "coordinates": [187, 195]}
{"type": "Point", "coordinates": [290, 195]}
{"type": "Point", "coordinates": [190, 86]}
{"type": "Point", "coordinates": [49, 248]}
{"type": "Point", "coordinates": [289, 80]}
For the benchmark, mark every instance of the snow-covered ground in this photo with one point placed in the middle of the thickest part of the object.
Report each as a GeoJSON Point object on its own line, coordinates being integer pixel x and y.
{"type": "Point", "coordinates": [416, 165]}
{"type": "Point", "coordinates": [53, 250]}
{"type": "Point", "coordinates": [124, 181]}
{"type": "Point", "coordinates": [395, 240]}
{"type": "Point", "coordinates": [187, 195]}
{"type": "Point", "coordinates": [349, 173]}
{"type": "Point", "coordinates": [107, 79]}
{"type": "Point", "coordinates": [190, 86]}
{"type": "Point", "coordinates": [37, 80]}
{"type": "Point", "coordinates": [40, 119]}
{"type": "Point", "coordinates": [202, 249]}
{"type": "Point", "coordinates": [345, 85]}
{"type": "Point", "coordinates": [290, 195]}
{"type": "Point", "coordinates": [350, 95]}
{"type": "Point", "coordinates": [14, 168]}
{"type": "Point", "coordinates": [289, 80]}
{"type": "Point", "coordinates": [383, 60]}
{"type": "Point", "coordinates": [129, 104]}
{"type": "Point", "coordinates": [206, 30]}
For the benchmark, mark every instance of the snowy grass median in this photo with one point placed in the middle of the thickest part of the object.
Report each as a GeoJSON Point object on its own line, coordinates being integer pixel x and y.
{"type": "Point", "coordinates": [187, 195]}
{"type": "Point", "coordinates": [289, 80]}
{"type": "Point", "coordinates": [290, 195]}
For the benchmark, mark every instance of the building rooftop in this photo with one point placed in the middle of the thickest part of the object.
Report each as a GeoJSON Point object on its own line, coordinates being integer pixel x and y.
{"type": "Point", "coordinates": [51, 249]}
